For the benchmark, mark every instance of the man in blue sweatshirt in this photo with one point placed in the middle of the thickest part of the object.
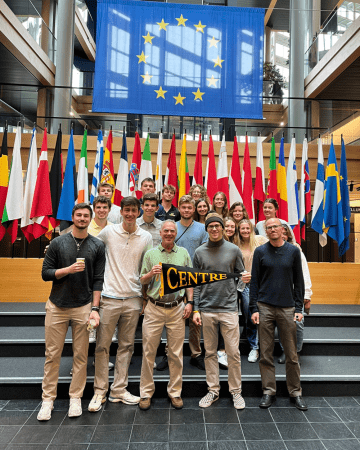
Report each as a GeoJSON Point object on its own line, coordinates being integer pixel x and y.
{"type": "Point", "coordinates": [218, 305]}
{"type": "Point", "coordinates": [276, 298]}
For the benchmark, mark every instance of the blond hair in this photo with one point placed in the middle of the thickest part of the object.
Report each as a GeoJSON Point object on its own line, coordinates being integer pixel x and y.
{"type": "Point", "coordinates": [252, 235]}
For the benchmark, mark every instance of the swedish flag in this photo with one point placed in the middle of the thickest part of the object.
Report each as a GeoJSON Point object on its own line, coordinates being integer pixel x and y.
{"type": "Point", "coordinates": [333, 216]}
{"type": "Point", "coordinates": [345, 201]}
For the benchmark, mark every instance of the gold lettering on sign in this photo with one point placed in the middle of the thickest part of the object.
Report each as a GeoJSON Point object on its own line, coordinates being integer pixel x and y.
{"type": "Point", "coordinates": [182, 276]}
{"type": "Point", "coordinates": [192, 277]}
{"type": "Point", "coordinates": [168, 278]}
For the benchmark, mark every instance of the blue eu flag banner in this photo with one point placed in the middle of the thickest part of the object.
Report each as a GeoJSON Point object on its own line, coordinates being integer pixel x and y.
{"type": "Point", "coordinates": [345, 200]}
{"type": "Point", "coordinates": [175, 59]}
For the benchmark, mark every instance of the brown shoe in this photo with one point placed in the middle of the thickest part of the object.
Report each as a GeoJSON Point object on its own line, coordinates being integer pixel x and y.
{"type": "Point", "coordinates": [177, 402]}
{"type": "Point", "coordinates": [145, 403]}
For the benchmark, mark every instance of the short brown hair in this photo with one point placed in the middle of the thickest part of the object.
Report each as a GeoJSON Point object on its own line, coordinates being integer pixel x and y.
{"type": "Point", "coordinates": [100, 185]}
{"type": "Point", "coordinates": [186, 199]}
{"type": "Point", "coordinates": [169, 187]}
{"type": "Point", "coordinates": [82, 206]}
{"type": "Point", "coordinates": [151, 197]}
{"type": "Point", "coordinates": [102, 199]}
{"type": "Point", "coordinates": [232, 209]}
{"type": "Point", "coordinates": [130, 201]}
{"type": "Point", "coordinates": [148, 179]}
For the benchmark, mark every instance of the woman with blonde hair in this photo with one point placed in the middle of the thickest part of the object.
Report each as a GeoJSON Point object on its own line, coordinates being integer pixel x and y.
{"type": "Point", "coordinates": [248, 243]}
{"type": "Point", "coordinates": [231, 232]}
{"type": "Point", "coordinates": [220, 204]}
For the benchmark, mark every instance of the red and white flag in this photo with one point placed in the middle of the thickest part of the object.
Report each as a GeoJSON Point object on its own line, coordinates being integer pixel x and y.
{"type": "Point", "coordinates": [171, 172]}
{"type": "Point", "coordinates": [259, 191]}
{"type": "Point", "coordinates": [122, 180]}
{"type": "Point", "coordinates": [210, 175]}
{"type": "Point", "coordinates": [247, 184]}
{"type": "Point", "coordinates": [134, 187]}
{"type": "Point", "coordinates": [235, 187]}
{"type": "Point", "coordinates": [198, 176]}
{"type": "Point", "coordinates": [41, 209]}
{"type": "Point", "coordinates": [222, 171]}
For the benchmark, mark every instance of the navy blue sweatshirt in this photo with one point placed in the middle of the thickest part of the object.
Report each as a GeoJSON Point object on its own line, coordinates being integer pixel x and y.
{"type": "Point", "coordinates": [276, 277]}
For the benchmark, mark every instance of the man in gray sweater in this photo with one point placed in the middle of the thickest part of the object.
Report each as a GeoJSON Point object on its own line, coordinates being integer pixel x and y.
{"type": "Point", "coordinates": [217, 304]}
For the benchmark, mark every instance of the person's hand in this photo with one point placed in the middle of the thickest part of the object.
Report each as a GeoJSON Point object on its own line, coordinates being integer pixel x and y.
{"type": "Point", "coordinates": [307, 306]}
{"type": "Point", "coordinates": [143, 307]}
{"type": "Point", "coordinates": [246, 277]}
{"type": "Point", "coordinates": [197, 319]}
{"type": "Point", "coordinates": [298, 317]}
{"type": "Point", "coordinates": [95, 315]}
{"type": "Point", "coordinates": [187, 311]}
{"type": "Point", "coordinates": [77, 267]}
{"type": "Point", "coordinates": [255, 318]}
{"type": "Point", "coordinates": [156, 270]}
{"type": "Point", "coordinates": [46, 249]}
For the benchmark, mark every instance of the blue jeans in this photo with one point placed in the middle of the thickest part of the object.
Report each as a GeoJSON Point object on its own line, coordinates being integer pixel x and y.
{"type": "Point", "coordinates": [251, 329]}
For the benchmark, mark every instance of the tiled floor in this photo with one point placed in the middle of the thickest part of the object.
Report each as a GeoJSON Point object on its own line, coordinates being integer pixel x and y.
{"type": "Point", "coordinates": [330, 423]}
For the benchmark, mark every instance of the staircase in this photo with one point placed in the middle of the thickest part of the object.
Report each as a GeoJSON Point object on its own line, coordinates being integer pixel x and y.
{"type": "Point", "coordinates": [330, 360]}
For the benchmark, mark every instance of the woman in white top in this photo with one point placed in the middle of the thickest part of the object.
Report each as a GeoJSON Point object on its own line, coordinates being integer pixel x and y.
{"type": "Point", "coordinates": [270, 207]}
{"type": "Point", "coordinates": [248, 243]}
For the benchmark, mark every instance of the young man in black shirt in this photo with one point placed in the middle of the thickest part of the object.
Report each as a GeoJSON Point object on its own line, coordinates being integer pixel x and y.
{"type": "Point", "coordinates": [75, 263]}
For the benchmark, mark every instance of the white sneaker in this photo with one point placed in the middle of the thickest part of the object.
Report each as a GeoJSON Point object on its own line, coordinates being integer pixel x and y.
{"type": "Point", "coordinates": [222, 360]}
{"type": "Point", "coordinates": [253, 355]}
{"type": "Point", "coordinates": [45, 411]}
{"type": "Point", "coordinates": [126, 398]}
{"type": "Point", "coordinates": [96, 402]}
{"type": "Point", "coordinates": [208, 400]}
{"type": "Point", "coordinates": [111, 365]}
{"type": "Point", "coordinates": [75, 409]}
{"type": "Point", "coordinates": [115, 335]}
{"type": "Point", "coordinates": [239, 402]}
{"type": "Point", "coordinates": [92, 336]}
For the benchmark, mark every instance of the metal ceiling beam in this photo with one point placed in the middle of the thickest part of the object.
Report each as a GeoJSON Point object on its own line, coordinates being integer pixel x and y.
{"type": "Point", "coordinates": [269, 11]}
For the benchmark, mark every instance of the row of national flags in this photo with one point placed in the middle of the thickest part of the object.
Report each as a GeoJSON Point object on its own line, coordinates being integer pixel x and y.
{"type": "Point", "coordinates": [49, 196]}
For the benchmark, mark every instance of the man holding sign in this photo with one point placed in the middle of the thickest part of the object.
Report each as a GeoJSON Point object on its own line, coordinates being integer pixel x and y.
{"type": "Point", "coordinates": [218, 305]}
{"type": "Point", "coordinates": [169, 311]}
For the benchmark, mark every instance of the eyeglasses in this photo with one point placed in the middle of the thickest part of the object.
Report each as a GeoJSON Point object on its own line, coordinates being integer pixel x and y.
{"type": "Point", "coordinates": [273, 227]}
{"type": "Point", "coordinates": [214, 227]}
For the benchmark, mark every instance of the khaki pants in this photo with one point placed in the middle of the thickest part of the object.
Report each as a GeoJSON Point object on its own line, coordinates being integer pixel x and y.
{"type": "Point", "coordinates": [155, 319]}
{"type": "Point", "coordinates": [194, 338]}
{"type": "Point", "coordinates": [284, 319]}
{"type": "Point", "coordinates": [229, 328]}
{"type": "Point", "coordinates": [56, 326]}
{"type": "Point", "coordinates": [125, 314]}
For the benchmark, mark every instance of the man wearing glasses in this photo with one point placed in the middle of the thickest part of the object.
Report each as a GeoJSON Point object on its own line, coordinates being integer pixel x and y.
{"type": "Point", "coordinates": [276, 298]}
{"type": "Point", "coordinates": [217, 304]}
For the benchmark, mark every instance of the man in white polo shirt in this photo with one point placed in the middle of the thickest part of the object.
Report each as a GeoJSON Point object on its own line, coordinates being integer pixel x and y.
{"type": "Point", "coordinates": [121, 303]}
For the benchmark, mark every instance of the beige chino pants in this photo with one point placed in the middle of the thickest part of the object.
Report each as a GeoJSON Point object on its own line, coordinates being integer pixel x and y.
{"type": "Point", "coordinates": [125, 314]}
{"type": "Point", "coordinates": [229, 328]}
{"type": "Point", "coordinates": [56, 326]}
{"type": "Point", "coordinates": [155, 319]}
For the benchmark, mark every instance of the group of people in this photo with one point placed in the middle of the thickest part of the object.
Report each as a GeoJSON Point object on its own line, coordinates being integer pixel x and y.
{"type": "Point", "coordinates": [105, 274]}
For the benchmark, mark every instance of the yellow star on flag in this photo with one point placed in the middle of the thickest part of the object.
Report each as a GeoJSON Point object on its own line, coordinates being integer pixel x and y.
{"type": "Point", "coordinates": [181, 21]}
{"type": "Point", "coordinates": [218, 62]}
{"type": "Point", "coordinates": [200, 27]}
{"type": "Point", "coordinates": [341, 177]}
{"type": "Point", "coordinates": [198, 95]}
{"type": "Point", "coordinates": [179, 99]}
{"type": "Point", "coordinates": [142, 57]}
{"type": "Point", "coordinates": [147, 77]}
{"type": "Point", "coordinates": [345, 219]}
{"type": "Point", "coordinates": [160, 93]}
{"type": "Point", "coordinates": [162, 25]}
{"type": "Point", "coordinates": [212, 81]}
{"type": "Point", "coordinates": [148, 38]}
{"type": "Point", "coordinates": [213, 42]}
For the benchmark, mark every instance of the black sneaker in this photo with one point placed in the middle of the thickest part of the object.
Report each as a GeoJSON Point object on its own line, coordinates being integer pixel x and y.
{"type": "Point", "coordinates": [163, 365]}
{"type": "Point", "coordinates": [198, 362]}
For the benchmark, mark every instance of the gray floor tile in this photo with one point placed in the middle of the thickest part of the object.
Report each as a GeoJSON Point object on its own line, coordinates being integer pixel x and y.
{"type": "Point", "coordinates": [57, 418]}
{"type": "Point", "coordinates": [14, 417]}
{"type": "Point", "coordinates": [150, 433]}
{"type": "Point", "coordinates": [321, 415]}
{"type": "Point", "coordinates": [343, 444]}
{"type": "Point", "coordinates": [147, 446]}
{"type": "Point", "coordinates": [22, 405]}
{"type": "Point", "coordinates": [254, 415]}
{"type": "Point", "coordinates": [265, 432]}
{"type": "Point", "coordinates": [227, 445]}
{"type": "Point", "coordinates": [187, 446]}
{"type": "Point", "coordinates": [26, 447]}
{"type": "Point", "coordinates": [265, 445]}
{"type": "Point", "coordinates": [161, 416]}
{"type": "Point", "coordinates": [86, 418]}
{"type": "Point", "coordinates": [188, 432]}
{"type": "Point", "coordinates": [287, 415]}
{"type": "Point", "coordinates": [342, 401]}
{"type": "Point", "coordinates": [304, 445]}
{"type": "Point", "coordinates": [220, 415]}
{"type": "Point", "coordinates": [296, 431]}
{"type": "Point", "coordinates": [70, 447]}
{"type": "Point", "coordinates": [3, 403]}
{"type": "Point", "coordinates": [111, 434]}
{"type": "Point", "coordinates": [186, 416]}
{"type": "Point", "coordinates": [123, 416]}
{"type": "Point", "coordinates": [33, 434]}
{"type": "Point", "coordinates": [332, 431]}
{"type": "Point", "coordinates": [73, 435]}
{"type": "Point", "coordinates": [348, 414]}
{"type": "Point", "coordinates": [354, 427]}
{"type": "Point", "coordinates": [224, 432]}
{"type": "Point", "coordinates": [7, 433]}
{"type": "Point", "coordinates": [162, 403]}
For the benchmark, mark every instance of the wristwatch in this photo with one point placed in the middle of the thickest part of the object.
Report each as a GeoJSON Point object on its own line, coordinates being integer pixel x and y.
{"type": "Point", "coordinates": [190, 303]}
{"type": "Point", "coordinates": [95, 308]}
